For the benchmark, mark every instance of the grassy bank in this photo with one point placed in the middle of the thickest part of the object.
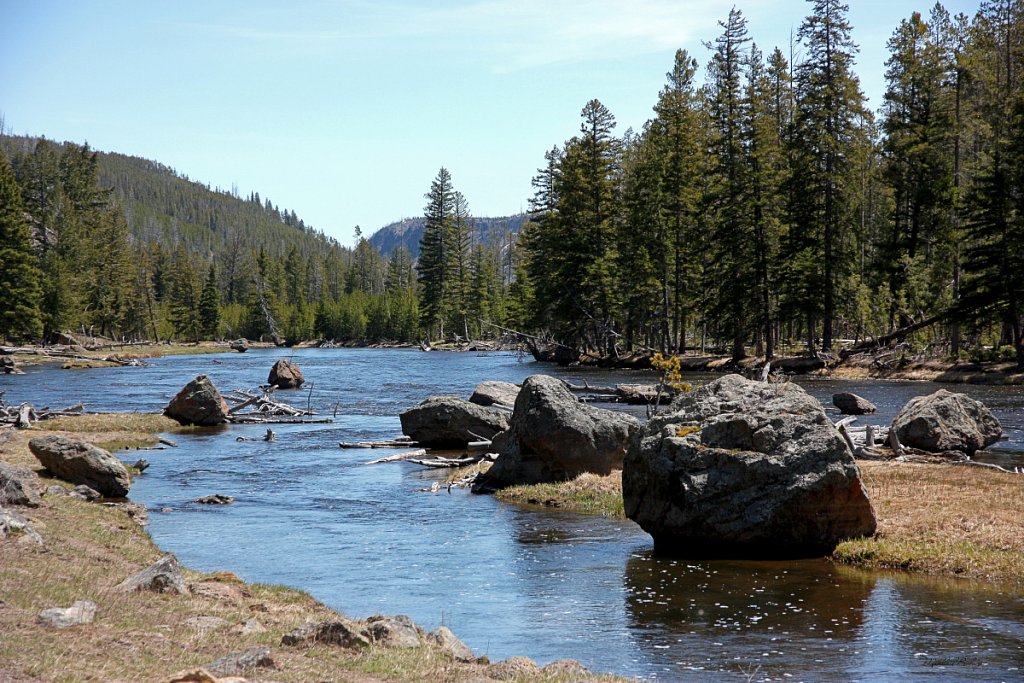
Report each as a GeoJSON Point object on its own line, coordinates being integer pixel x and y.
{"type": "Point", "coordinates": [89, 548]}
{"type": "Point", "coordinates": [942, 519]}
{"type": "Point", "coordinates": [589, 494]}
{"type": "Point", "coordinates": [932, 519]}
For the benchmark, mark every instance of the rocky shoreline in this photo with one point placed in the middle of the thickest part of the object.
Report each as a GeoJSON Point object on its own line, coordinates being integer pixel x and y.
{"type": "Point", "coordinates": [86, 594]}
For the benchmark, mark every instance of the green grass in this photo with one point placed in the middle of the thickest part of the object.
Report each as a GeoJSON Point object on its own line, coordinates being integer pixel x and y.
{"type": "Point", "coordinates": [589, 494]}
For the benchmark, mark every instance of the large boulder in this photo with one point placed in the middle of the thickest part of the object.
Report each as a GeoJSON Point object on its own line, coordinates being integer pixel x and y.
{"type": "Point", "coordinates": [494, 392]}
{"type": "Point", "coordinates": [82, 463]}
{"type": "Point", "coordinates": [852, 404]}
{"type": "Point", "coordinates": [285, 375]}
{"type": "Point", "coordinates": [198, 403]}
{"type": "Point", "coordinates": [945, 421]}
{"type": "Point", "coordinates": [745, 469]}
{"type": "Point", "coordinates": [450, 422]}
{"type": "Point", "coordinates": [555, 437]}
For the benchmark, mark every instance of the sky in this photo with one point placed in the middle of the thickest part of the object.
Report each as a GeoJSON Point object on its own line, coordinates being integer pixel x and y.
{"type": "Point", "coordinates": [345, 110]}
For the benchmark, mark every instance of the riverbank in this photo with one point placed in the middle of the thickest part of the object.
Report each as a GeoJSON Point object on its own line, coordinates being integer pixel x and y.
{"type": "Point", "coordinates": [943, 520]}
{"type": "Point", "coordinates": [89, 548]}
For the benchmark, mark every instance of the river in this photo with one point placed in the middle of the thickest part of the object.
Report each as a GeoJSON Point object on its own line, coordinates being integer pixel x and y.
{"type": "Point", "coordinates": [542, 583]}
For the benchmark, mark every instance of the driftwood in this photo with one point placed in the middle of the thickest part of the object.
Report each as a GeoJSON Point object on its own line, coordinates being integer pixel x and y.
{"type": "Point", "coordinates": [632, 394]}
{"type": "Point", "coordinates": [256, 420]}
{"type": "Point", "coordinates": [264, 409]}
{"type": "Point", "coordinates": [447, 462]}
{"type": "Point", "coordinates": [406, 455]}
{"type": "Point", "coordinates": [24, 415]}
{"type": "Point", "coordinates": [387, 443]}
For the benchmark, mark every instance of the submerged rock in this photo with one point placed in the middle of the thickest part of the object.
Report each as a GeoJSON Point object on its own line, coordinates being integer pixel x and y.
{"type": "Point", "coordinates": [285, 375]}
{"type": "Point", "coordinates": [82, 463]}
{"type": "Point", "coordinates": [945, 421]}
{"type": "Point", "coordinates": [450, 422]}
{"type": "Point", "coordinates": [555, 437]}
{"type": "Point", "coordinates": [198, 403]}
{"type": "Point", "coordinates": [747, 469]}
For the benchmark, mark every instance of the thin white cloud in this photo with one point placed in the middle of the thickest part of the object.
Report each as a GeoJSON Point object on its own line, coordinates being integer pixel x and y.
{"type": "Point", "coordinates": [508, 35]}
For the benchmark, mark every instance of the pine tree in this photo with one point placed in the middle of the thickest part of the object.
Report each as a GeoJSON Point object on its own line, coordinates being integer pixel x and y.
{"type": "Point", "coordinates": [733, 255]}
{"type": "Point", "coordinates": [209, 305]}
{"type": "Point", "coordinates": [675, 138]}
{"type": "Point", "coordinates": [19, 278]}
{"type": "Point", "coordinates": [432, 266]}
{"type": "Point", "coordinates": [829, 108]}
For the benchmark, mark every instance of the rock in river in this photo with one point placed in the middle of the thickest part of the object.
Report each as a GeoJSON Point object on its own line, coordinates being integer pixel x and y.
{"type": "Point", "coordinates": [285, 375]}
{"type": "Point", "coordinates": [945, 421]}
{"type": "Point", "coordinates": [450, 422]}
{"type": "Point", "coordinates": [555, 437]}
{"type": "Point", "coordinates": [745, 469]}
{"type": "Point", "coordinates": [852, 404]}
{"type": "Point", "coordinates": [82, 463]}
{"type": "Point", "coordinates": [198, 403]}
{"type": "Point", "coordinates": [494, 392]}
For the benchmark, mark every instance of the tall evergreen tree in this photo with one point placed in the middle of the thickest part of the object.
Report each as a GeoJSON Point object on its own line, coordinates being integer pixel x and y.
{"type": "Point", "coordinates": [829, 109]}
{"type": "Point", "coordinates": [19, 278]}
{"type": "Point", "coordinates": [432, 266]}
{"type": "Point", "coordinates": [209, 305]}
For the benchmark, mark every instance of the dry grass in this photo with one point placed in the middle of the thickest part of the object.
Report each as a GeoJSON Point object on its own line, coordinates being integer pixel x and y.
{"type": "Point", "coordinates": [942, 519]}
{"type": "Point", "coordinates": [144, 636]}
{"type": "Point", "coordinates": [588, 493]}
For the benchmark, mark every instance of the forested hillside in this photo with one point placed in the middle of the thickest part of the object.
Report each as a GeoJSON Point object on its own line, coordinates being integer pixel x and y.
{"type": "Point", "coordinates": [408, 232]}
{"type": "Point", "coordinates": [128, 248]}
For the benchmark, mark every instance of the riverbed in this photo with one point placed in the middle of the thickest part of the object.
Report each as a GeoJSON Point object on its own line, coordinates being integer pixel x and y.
{"type": "Point", "coordinates": [368, 539]}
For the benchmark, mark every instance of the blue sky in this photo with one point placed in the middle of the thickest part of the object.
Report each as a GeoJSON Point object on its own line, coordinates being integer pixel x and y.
{"type": "Point", "coordinates": [344, 110]}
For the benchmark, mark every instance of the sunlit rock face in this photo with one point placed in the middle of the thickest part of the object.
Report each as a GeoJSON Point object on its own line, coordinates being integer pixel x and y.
{"type": "Point", "coordinates": [745, 469]}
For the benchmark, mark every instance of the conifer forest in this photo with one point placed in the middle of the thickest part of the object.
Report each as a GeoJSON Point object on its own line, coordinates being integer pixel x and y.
{"type": "Point", "coordinates": [763, 209]}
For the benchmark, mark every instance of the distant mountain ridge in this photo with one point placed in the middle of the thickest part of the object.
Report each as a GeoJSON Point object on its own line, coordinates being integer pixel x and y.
{"type": "Point", "coordinates": [408, 232]}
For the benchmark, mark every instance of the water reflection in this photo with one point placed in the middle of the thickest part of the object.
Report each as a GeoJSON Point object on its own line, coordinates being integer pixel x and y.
{"type": "Point", "coordinates": [810, 620]}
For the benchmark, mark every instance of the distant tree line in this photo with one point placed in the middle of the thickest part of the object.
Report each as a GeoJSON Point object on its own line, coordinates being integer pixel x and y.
{"type": "Point", "coordinates": [768, 206]}
{"type": "Point", "coordinates": [128, 249]}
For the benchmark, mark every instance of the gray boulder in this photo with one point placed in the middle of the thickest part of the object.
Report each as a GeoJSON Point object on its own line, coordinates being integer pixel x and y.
{"type": "Point", "coordinates": [241, 662]}
{"type": "Point", "coordinates": [285, 375]}
{"type": "Point", "coordinates": [555, 437]}
{"type": "Point", "coordinates": [745, 469]}
{"type": "Point", "coordinates": [82, 463]}
{"type": "Point", "coordinates": [443, 638]}
{"type": "Point", "coordinates": [198, 403]}
{"type": "Point", "coordinates": [82, 612]}
{"type": "Point", "coordinates": [945, 421]}
{"type": "Point", "coordinates": [495, 393]}
{"type": "Point", "coordinates": [163, 576]}
{"type": "Point", "coordinates": [13, 525]}
{"type": "Point", "coordinates": [450, 422]}
{"type": "Point", "coordinates": [18, 486]}
{"type": "Point", "coordinates": [852, 404]}
{"type": "Point", "coordinates": [340, 632]}
{"type": "Point", "coordinates": [396, 631]}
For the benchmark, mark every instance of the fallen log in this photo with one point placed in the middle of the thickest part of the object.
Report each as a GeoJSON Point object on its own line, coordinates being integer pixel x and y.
{"type": "Point", "coordinates": [406, 455]}
{"type": "Point", "coordinates": [388, 443]}
{"type": "Point", "coordinates": [274, 420]}
{"type": "Point", "coordinates": [447, 462]}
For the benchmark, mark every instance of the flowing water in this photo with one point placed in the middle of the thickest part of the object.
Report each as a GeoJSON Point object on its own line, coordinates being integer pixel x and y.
{"type": "Point", "coordinates": [542, 583]}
